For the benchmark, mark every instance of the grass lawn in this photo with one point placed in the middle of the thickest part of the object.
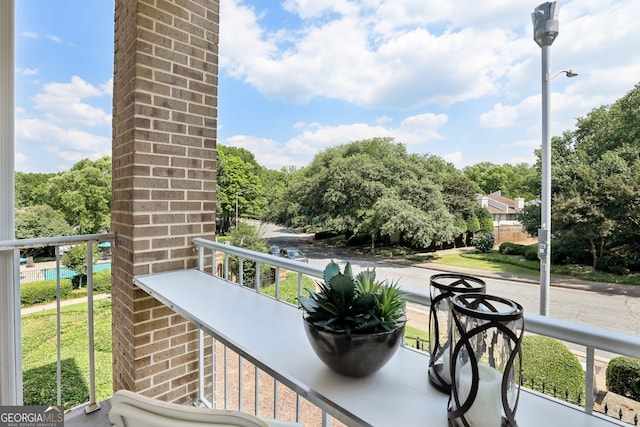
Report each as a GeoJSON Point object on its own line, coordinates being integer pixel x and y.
{"type": "Point", "coordinates": [482, 264]}
{"type": "Point", "coordinates": [514, 264]}
{"type": "Point", "coordinates": [39, 355]}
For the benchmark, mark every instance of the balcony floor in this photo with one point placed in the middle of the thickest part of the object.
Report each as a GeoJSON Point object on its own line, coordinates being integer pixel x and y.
{"type": "Point", "coordinates": [99, 418]}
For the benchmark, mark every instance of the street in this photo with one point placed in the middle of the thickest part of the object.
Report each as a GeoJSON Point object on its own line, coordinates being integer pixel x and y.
{"type": "Point", "coordinates": [615, 307]}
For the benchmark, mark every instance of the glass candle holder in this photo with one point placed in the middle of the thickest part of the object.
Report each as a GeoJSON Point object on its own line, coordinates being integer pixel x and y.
{"type": "Point", "coordinates": [486, 361]}
{"type": "Point", "coordinates": [442, 288]}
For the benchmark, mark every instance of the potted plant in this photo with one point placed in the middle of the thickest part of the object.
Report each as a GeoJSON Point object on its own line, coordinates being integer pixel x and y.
{"type": "Point", "coordinates": [354, 324]}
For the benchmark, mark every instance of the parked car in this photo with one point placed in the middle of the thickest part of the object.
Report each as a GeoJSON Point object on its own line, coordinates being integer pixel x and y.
{"type": "Point", "coordinates": [294, 254]}
{"type": "Point", "coordinates": [274, 250]}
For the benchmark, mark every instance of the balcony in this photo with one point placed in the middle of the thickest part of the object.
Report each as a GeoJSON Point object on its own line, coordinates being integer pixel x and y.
{"type": "Point", "coordinates": [254, 357]}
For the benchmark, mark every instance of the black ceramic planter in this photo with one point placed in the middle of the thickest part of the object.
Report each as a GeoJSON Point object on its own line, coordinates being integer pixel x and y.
{"type": "Point", "coordinates": [356, 355]}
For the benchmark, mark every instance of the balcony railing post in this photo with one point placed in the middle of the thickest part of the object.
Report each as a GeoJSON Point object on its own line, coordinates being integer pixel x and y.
{"type": "Point", "coordinates": [201, 393]}
{"type": "Point", "coordinates": [258, 271]}
{"type": "Point", "coordinates": [201, 258]}
{"type": "Point", "coordinates": [589, 386]}
{"type": "Point", "coordinates": [93, 405]}
{"type": "Point", "coordinates": [58, 363]}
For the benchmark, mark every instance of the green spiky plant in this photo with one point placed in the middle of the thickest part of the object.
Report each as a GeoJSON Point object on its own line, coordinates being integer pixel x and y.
{"type": "Point", "coordinates": [360, 305]}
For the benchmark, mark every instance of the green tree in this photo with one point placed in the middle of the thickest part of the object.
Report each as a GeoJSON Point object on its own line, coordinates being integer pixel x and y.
{"type": "Point", "coordinates": [521, 180]}
{"type": "Point", "coordinates": [40, 221]}
{"type": "Point", "coordinates": [76, 260]}
{"type": "Point", "coordinates": [239, 184]}
{"type": "Point", "coordinates": [83, 195]}
{"type": "Point", "coordinates": [375, 189]}
{"type": "Point", "coordinates": [596, 183]}
{"type": "Point", "coordinates": [248, 237]}
{"type": "Point", "coordinates": [27, 187]}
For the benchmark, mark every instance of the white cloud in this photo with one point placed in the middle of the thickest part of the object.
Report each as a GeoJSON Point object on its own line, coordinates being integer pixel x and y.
{"type": "Point", "coordinates": [56, 131]}
{"type": "Point", "coordinates": [307, 9]}
{"type": "Point", "coordinates": [20, 159]}
{"type": "Point", "coordinates": [313, 138]}
{"type": "Point", "coordinates": [63, 103]}
{"type": "Point", "coordinates": [455, 158]}
{"type": "Point", "coordinates": [349, 56]}
{"type": "Point", "coordinates": [53, 38]}
{"type": "Point", "coordinates": [27, 71]}
{"type": "Point", "coordinates": [72, 144]}
{"type": "Point", "coordinates": [32, 35]}
{"type": "Point", "coordinates": [267, 152]}
{"type": "Point", "coordinates": [43, 131]}
{"type": "Point", "coordinates": [420, 128]}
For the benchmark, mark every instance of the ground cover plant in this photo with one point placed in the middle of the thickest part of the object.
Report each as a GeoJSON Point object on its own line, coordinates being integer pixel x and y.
{"type": "Point", "coordinates": [39, 355]}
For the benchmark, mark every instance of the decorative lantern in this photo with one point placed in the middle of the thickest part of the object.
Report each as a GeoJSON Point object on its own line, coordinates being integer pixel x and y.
{"type": "Point", "coordinates": [486, 361]}
{"type": "Point", "coordinates": [443, 288]}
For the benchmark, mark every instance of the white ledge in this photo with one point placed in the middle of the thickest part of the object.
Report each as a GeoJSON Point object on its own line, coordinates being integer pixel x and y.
{"type": "Point", "coordinates": [270, 334]}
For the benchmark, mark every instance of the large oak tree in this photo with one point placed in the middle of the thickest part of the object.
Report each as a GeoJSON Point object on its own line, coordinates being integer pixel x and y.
{"type": "Point", "coordinates": [375, 188]}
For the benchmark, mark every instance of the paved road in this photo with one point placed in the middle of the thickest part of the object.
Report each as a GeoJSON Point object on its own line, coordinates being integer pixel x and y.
{"type": "Point", "coordinates": [615, 307]}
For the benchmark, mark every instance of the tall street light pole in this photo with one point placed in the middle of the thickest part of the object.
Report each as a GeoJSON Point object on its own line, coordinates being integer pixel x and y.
{"type": "Point", "coordinates": [545, 31]}
{"type": "Point", "coordinates": [236, 225]}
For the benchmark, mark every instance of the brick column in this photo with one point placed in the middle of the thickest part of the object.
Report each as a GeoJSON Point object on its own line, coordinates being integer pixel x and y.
{"type": "Point", "coordinates": [164, 140]}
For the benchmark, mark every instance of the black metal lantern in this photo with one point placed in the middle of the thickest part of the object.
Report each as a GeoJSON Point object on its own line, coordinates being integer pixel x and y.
{"type": "Point", "coordinates": [442, 288]}
{"type": "Point", "coordinates": [486, 361]}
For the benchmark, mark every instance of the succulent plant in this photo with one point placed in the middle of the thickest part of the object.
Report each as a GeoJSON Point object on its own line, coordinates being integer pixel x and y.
{"type": "Point", "coordinates": [360, 305]}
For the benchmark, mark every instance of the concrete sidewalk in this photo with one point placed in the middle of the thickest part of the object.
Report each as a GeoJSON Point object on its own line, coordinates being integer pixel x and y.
{"type": "Point", "coordinates": [64, 303]}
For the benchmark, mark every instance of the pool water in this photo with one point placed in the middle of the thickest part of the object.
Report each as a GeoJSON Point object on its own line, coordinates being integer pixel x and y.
{"type": "Point", "coordinates": [67, 273]}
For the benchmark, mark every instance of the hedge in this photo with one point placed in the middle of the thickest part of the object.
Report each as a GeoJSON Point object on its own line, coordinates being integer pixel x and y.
{"type": "Point", "coordinates": [508, 248]}
{"type": "Point", "coordinates": [548, 360]}
{"type": "Point", "coordinates": [44, 291]}
{"type": "Point", "coordinates": [623, 376]}
{"type": "Point", "coordinates": [102, 282]}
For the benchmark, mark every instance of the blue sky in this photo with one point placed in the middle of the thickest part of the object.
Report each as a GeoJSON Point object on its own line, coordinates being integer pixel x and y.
{"type": "Point", "coordinates": [452, 78]}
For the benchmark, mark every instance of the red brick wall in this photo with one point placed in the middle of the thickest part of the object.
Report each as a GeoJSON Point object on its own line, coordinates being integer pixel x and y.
{"type": "Point", "coordinates": [164, 140]}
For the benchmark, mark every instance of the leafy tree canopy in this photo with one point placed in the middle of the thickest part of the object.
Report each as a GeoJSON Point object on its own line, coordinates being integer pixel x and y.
{"type": "Point", "coordinates": [375, 188]}
{"type": "Point", "coordinates": [83, 195]}
{"type": "Point", "coordinates": [521, 180]}
{"type": "Point", "coordinates": [41, 221]}
{"type": "Point", "coordinates": [27, 187]}
{"type": "Point", "coordinates": [239, 181]}
{"type": "Point", "coordinates": [596, 184]}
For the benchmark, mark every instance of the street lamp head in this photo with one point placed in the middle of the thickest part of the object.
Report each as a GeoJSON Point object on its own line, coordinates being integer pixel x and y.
{"type": "Point", "coordinates": [545, 23]}
{"type": "Point", "coordinates": [568, 73]}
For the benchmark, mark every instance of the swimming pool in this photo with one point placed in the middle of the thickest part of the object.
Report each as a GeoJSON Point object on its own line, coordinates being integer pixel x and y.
{"type": "Point", "coordinates": [67, 273]}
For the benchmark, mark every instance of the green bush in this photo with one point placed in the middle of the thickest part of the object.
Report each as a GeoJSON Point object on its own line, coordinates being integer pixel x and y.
{"type": "Point", "coordinates": [102, 282]}
{"type": "Point", "coordinates": [548, 360]}
{"type": "Point", "coordinates": [623, 376]}
{"type": "Point", "coordinates": [42, 292]}
{"type": "Point", "coordinates": [508, 248]}
{"type": "Point", "coordinates": [531, 253]}
{"type": "Point", "coordinates": [484, 242]}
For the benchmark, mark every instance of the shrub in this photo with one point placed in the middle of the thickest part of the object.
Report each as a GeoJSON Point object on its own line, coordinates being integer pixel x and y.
{"type": "Point", "coordinates": [42, 292]}
{"type": "Point", "coordinates": [508, 248]}
{"type": "Point", "coordinates": [484, 242]}
{"type": "Point", "coordinates": [613, 264]}
{"type": "Point", "coordinates": [531, 253]}
{"type": "Point", "coordinates": [102, 282]}
{"type": "Point", "coordinates": [623, 376]}
{"type": "Point", "coordinates": [550, 361]}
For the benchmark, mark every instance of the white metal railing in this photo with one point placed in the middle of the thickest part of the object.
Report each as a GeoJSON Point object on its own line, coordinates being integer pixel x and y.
{"type": "Point", "coordinates": [58, 242]}
{"type": "Point", "coordinates": [589, 337]}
